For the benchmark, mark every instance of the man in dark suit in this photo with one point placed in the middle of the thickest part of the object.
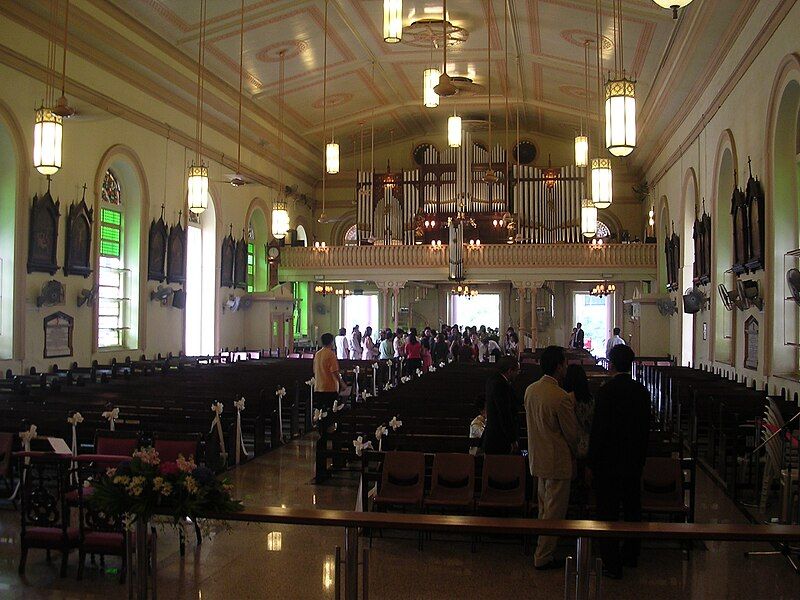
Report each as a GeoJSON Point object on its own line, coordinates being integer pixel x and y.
{"type": "Point", "coordinates": [578, 343]}
{"type": "Point", "coordinates": [501, 435]}
{"type": "Point", "coordinates": [617, 452]}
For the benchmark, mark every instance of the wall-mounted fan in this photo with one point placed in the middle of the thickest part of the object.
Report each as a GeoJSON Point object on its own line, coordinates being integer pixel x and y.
{"type": "Point", "coordinates": [694, 300]}
{"type": "Point", "coordinates": [750, 292]}
{"type": "Point", "coordinates": [667, 306]}
{"type": "Point", "coordinates": [728, 298]}
{"type": "Point", "coordinates": [245, 302]}
{"type": "Point", "coordinates": [793, 282]}
{"type": "Point", "coordinates": [232, 303]}
{"type": "Point", "coordinates": [162, 294]}
{"type": "Point", "coordinates": [87, 296]}
{"type": "Point", "coordinates": [52, 294]}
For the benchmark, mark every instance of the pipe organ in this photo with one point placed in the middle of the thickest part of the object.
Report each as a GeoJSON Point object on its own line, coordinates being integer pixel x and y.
{"type": "Point", "coordinates": [545, 203]}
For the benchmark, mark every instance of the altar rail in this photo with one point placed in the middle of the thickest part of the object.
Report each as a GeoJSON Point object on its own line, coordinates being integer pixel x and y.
{"type": "Point", "coordinates": [637, 257]}
{"type": "Point", "coordinates": [584, 531]}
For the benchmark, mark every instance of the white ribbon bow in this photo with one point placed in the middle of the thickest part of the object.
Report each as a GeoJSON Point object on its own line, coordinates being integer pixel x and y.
{"type": "Point", "coordinates": [319, 414]}
{"type": "Point", "coordinates": [360, 445]}
{"type": "Point", "coordinates": [432, 369]}
{"type": "Point", "coordinates": [75, 420]}
{"type": "Point", "coordinates": [419, 372]}
{"type": "Point", "coordinates": [311, 383]}
{"type": "Point", "coordinates": [376, 366]}
{"type": "Point", "coordinates": [240, 447]}
{"type": "Point", "coordinates": [365, 394]}
{"type": "Point", "coordinates": [405, 379]}
{"type": "Point", "coordinates": [337, 407]}
{"type": "Point", "coordinates": [27, 436]}
{"type": "Point", "coordinates": [388, 386]}
{"type": "Point", "coordinates": [111, 416]}
{"type": "Point", "coordinates": [379, 433]}
{"type": "Point", "coordinates": [395, 423]}
{"type": "Point", "coordinates": [216, 408]}
{"type": "Point", "coordinates": [441, 364]}
{"type": "Point", "coordinates": [357, 371]}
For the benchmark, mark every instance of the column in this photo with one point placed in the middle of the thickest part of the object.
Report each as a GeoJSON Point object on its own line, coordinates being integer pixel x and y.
{"type": "Point", "coordinates": [535, 285]}
{"type": "Point", "coordinates": [384, 293]}
{"type": "Point", "coordinates": [395, 306]}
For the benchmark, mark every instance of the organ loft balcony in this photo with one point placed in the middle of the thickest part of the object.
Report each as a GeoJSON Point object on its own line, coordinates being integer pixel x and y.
{"type": "Point", "coordinates": [488, 262]}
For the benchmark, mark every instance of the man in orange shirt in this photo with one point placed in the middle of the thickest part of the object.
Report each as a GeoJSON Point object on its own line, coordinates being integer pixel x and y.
{"type": "Point", "coordinates": [327, 379]}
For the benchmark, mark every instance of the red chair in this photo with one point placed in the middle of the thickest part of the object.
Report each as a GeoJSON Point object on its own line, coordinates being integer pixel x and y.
{"type": "Point", "coordinates": [115, 443]}
{"type": "Point", "coordinates": [452, 482]}
{"type": "Point", "coordinates": [171, 445]}
{"type": "Point", "coordinates": [45, 517]}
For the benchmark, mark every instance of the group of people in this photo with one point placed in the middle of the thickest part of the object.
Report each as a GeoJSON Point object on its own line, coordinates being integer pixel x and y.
{"type": "Point", "coordinates": [572, 437]}
{"type": "Point", "coordinates": [479, 344]}
{"type": "Point", "coordinates": [577, 339]}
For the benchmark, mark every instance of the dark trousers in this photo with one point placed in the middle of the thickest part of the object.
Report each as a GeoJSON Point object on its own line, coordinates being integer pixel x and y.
{"type": "Point", "coordinates": [613, 491]}
{"type": "Point", "coordinates": [412, 364]}
{"type": "Point", "coordinates": [324, 400]}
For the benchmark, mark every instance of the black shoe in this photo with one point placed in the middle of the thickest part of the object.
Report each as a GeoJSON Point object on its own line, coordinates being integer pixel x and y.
{"type": "Point", "coordinates": [552, 565]}
{"type": "Point", "coordinates": [612, 574]}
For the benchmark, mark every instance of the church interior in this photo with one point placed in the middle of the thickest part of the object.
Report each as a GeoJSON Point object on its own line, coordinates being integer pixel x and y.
{"type": "Point", "coordinates": [203, 201]}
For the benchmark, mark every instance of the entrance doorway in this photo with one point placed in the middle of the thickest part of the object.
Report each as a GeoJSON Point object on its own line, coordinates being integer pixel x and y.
{"type": "Point", "coordinates": [595, 315]}
{"type": "Point", "coordinates": [483, 309]}
{"type": "Point", "coordinates": [360, 310]}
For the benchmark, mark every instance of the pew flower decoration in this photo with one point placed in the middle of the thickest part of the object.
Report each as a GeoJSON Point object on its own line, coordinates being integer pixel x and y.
{"type": "Point", "coordinates": [360, 445]}
{"type": "Point", "coordinates": [74, 420]}
{"type": "Point", "coordinates": [111, 416]}
{"type": "Point", "coordinates": [405, 379]}
{"type": "Point", "coordinates": [240, 447]}
{"type": "Point", "coordinates": [144, 486]}
{"type": "Point", "coordinates": [379, 433]}
{"type": "Point", "coordinates": [419, 372]}
{"type": "Point", "coordinates": [281, 392]}
{"type": "Point", "coordinates": [365, 395]}
{"type": "Point", "coordinates": [387, 386]}
{"type": "Point", "coordinates": [311, 382]}
{"type": "Point", "coordinates": [432, 369]}
{"type": "Point", "coordinates": [395, 423]}
{"type": "Point", "coordinates": [216, 408]}
{"type": "Point", "coordinates": [337, 407]}
{"type": "Point", "coordinates": [376, 366]}
{"type": "Point", "coordinates": [27, 436]}
{"type": "Point", "coordinates": [442, 364]}
{"type": "Point", "coordinates": [319, 414]}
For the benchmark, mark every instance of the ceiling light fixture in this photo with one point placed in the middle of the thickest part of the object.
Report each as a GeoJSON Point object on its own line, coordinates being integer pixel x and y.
{"type": "Point", "coordinates": [620, 96]}
{"type": "Point", "coordinates": [445, 86]}
{"type": "Point", "coordinates": [280, 216]}
{"type": "Point", "coordinates": [392, 21]}
{"type": "Point", "coordinates": [675, 5]}
{"type": "Point", "coordinates": [198, 173]}
{"type": "Point", "coordinates": [430, 77]}
{"type": "Point", "coordinates": [490, 177]}
{"type": "Point", "coordinates": [602, 180]}
{"type": "Point", "coordinates": [62, 107]}
{"type": "Point", "coordinates": [588, 218]}
{"type": "Point", "coordinates": [48, 127]}
{"type": "Point", "coordinates": [454, 131]}
{"type": "Point", "coordinates": [331, 148]}
{"type": "Point", "coordinates": [582, 140]}
{"type": "Point", "coordinates": [322, 215]}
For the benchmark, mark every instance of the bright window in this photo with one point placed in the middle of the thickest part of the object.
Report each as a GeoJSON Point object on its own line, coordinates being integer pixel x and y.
{"type": "Point", "coordinates": [594, 315]}
{"type": "Point", "coordinates": [360, 310]}
{"type": "Point", "coordinates": [251, 267]}
{"type": "Point", "coordinates": [112, 276]}
{"type": "Point", "coordinates": [483, 309]}
{"type": "Point", "coordinates": [200, 311]}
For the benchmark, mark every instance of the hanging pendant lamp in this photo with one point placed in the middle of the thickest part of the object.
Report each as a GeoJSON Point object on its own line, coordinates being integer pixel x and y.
{"type": "Point", "coordinates": [454, 131]}
{"type": "Point", "coordinates": [197, 177]}
{"type": "Point", "coordinates": [392, 21]}
{"type": "Point", "coordinates": [588, 218]}
{"type": "Point", "coordinates": [581, 151]}
{"type": "Point", "coordinates": [674, 5]}
{"type": "Point", "coordinates": [47, 134]}
{"type": "Point", "coordinates": [430, 78]}
{"type": "Point", "coordinates": [620, 110]}
{"type": "Point", "coordinates": [601, 182]}
{"type": "Point", "coordinates": [582, 140]}
{"type": "Point", "coordinates": [332, 157]}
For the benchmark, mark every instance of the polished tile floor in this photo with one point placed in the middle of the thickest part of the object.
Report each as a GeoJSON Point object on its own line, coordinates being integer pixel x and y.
{"type": "Point", "coordinates": [296, 562]}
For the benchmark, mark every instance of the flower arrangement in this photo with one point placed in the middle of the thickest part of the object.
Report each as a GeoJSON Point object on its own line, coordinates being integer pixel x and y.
{"type": "Point", "coordinates": [144, 486]}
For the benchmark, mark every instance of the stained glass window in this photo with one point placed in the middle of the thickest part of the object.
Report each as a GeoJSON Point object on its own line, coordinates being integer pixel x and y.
{"type": "Point", "coordinates": [602, 230]}
{"type": "Point", "coordinates": [351, 236]}
{"type": "Point", "coordinates": [111, 191]}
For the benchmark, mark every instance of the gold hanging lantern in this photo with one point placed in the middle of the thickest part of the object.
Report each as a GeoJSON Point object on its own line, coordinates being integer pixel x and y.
{"type": "Point", "coordinates": [198, 188]}
{"type": "Point", "coordinates": [602, 186]}
{"type": "Point", "coordinates": [454, 131]}
{"type": "Point", "coordinates": [47, 134]}
{"type": "Point", "coordinates": [620, 116]}
{"type": "Point", "coordinates": [332, 158]}
{"type": "Point", "coordinates": [588, 218]}
{"type": "Point", "coordinates": [280, 220]}
{"type": "Point", "coordinates": [581, 151]}
{"type": "Point", "coordinates": [430, 77]}
{"type": "Point", "coordinates": [392, 21]}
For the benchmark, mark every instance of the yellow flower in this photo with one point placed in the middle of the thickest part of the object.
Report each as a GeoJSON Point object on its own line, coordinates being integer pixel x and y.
{"type": "Point", "coordinates": [157, 483]}
{"type": "Point", "coordinates": [121, 480]}
{"type": "Point", "coordinates": [166, 489]}
{"type": "Point", "coordinates": [191, 485]}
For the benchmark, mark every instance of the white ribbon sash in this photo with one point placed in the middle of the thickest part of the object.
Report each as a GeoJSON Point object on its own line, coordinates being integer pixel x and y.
{"type": "Point", "coordinates": [240, 447]}
{"type": "Point", "coordinates": [216, 408]}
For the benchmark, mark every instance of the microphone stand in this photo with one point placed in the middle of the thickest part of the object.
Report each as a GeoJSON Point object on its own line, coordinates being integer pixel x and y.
{"type": "Point", "coordinates": [785, 549]}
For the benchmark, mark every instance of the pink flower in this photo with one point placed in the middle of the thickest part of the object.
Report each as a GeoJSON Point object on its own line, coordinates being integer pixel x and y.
{"type": "Point", "coordinates": [187, 466]}
{"type": "Point", "coordinates": [168, 468]}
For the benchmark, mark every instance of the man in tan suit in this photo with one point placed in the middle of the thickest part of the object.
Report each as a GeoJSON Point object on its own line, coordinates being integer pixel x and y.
{"type": "Point", "coordinates": [552, 443]}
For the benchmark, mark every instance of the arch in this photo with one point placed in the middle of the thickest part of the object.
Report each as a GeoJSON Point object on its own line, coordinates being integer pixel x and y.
{"type": "Point", "coordinates": [13, 194]}
{"type": "Point", "coordinates": [612, 222]}
{"type": "Point", "coordinates": [723, 322]}
{"type": "Point", "coordinates": [129, 171]}
{"type": "Point", "coordinates": [662, 210]}
{"type": "Point", "coordinates": [257, 223]}
{"type": "Point", "coordinates": [782, 207]}
{"type": "Point", "coordinates": [689, 196]}
{"type": "Point", "coordinates": [340, 228]}
{"type": "Point", "coordinates": [302, 236]}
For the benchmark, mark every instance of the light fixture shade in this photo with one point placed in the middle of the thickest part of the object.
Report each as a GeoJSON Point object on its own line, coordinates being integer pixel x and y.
{"type": "Point", "coordinates": [602, 188]}
{"type": "Point", "coordinates": [581, 151]}
{"type": "Point", "coordinates": [332, 158]}
{"type": "Point", "coordinates": [620, 116]}
{"type": "Point", "coordinates": [280, 220]}
{"type": "Point", "coordinates": [47, 133]}
{"type": "Point", "coordinates": [588, 218]}
{"type": "Point", "coordinates": [198, 188]}
{"type": "Point", "coordinates": [673, 4]}
{"type": "Point", "coordinates": [430, 77]}
{"type": "Point", "coordinates": [392, 21]}
{"type": "Point", "coordinates": [454, 131]}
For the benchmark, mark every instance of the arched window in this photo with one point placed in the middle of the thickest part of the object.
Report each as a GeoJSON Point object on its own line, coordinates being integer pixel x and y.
{"type": "Point", "coordinates": [8, 203]}
{"type": "Point", "coordinates": [112, 314]}
{"type": "Point", "coordinates": [351, 236]}
{"type": "Point", "coordinates": [603, 232]}
{"type": "Point", "coordinates": [257, 235]}
{"type": "Point", "coordinates": [302, 237]}
{"type": "Point", "coordinates": [201, 283]}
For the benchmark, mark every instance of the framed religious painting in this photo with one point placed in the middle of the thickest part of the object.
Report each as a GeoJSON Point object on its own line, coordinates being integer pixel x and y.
{"type": "Point", "coordinates": [754, 194]}
{"type": "Point", "coordinates": [240, 264]}
{"type": "Point", "coordinates": [78, 247]}
{"type": "Point", "coordinates": [156, 249]}
{"type": "Point", "coordinates": [227, 257]}
{"type": "Point", "coordinates": [176, 254]}
{"type": "Point", "coordinates": [43, 234]}
{"type": "Point", "coordinates": [741, 231]}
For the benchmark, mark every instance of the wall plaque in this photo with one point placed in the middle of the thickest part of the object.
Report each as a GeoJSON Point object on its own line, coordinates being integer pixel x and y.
{"type": "Point", "coordinates": [43, 234]}
{"type": "Point", "coordinates": [176, 254]}
{"type": "Point", "coordinates": [78, 250]}
{"type": "Point", "coordinates": [751, 343]}
{"type": "Point", "coordinates": [58, 335]}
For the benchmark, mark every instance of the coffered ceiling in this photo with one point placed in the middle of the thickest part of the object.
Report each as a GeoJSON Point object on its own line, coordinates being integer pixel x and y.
{"type": "Point", "coordinates": [537, 61]}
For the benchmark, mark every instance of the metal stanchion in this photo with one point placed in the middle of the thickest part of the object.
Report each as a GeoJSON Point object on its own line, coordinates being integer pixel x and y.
{"type": "Point", "coordinates": [583, 575]}
{"type": "Point", "coordinates": [129, 561]}
{"type": "Point", "coordinates": [351, 563]}
{"type": "Point", "coordinates": [365, 574]}
{"type": "Point", "coordinates": [569, 576]}
{"type": "Point", "coordinates": [154, 561]}
{"type": "Point", "coordinates": [141, 559]}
